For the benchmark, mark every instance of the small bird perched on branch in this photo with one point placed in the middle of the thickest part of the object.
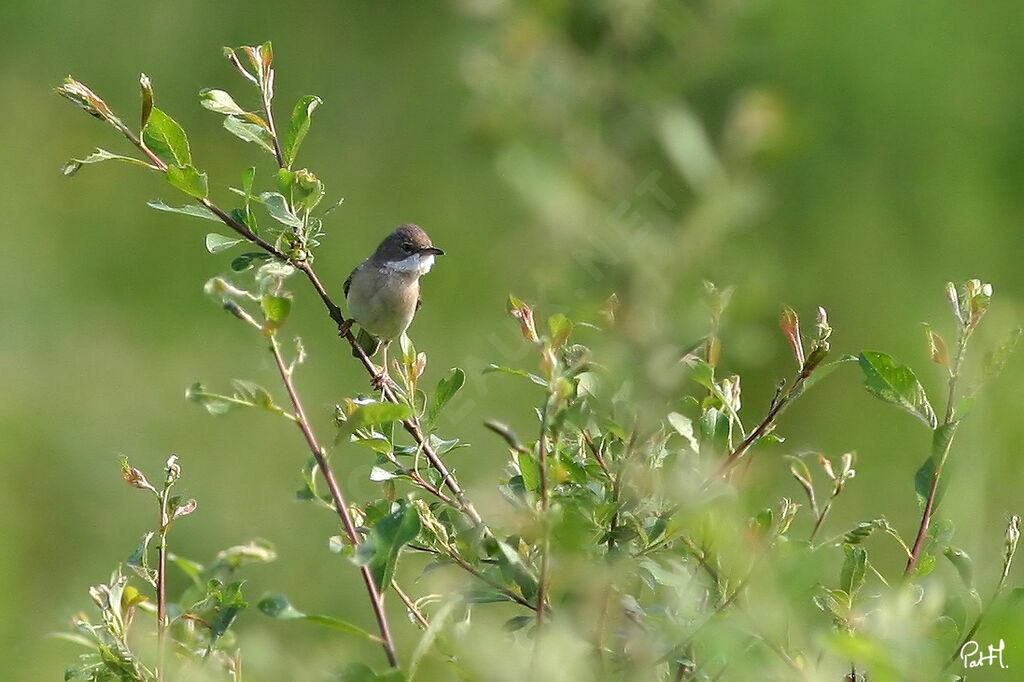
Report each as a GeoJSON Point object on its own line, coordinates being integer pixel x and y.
{"type": "Point", "coordinates": [383, 292]}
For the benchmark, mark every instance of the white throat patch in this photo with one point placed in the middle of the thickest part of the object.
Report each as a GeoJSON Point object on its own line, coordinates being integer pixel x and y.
{"type": "Point", "coordinates": [418, 264]}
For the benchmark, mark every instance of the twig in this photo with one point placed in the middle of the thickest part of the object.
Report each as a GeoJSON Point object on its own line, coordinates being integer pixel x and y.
{"type": "Point", "coordinates": [542, 580]}
{"type": "Point", "coordinates": [933, 491]}
{"type": "Point", "coordinates": [614, 480]}
{"type": "Point", "coordinates": [376, 598]}
{"type": "Point", "coordinates": [475, 572]}
{"type": "Point", "coordinates": [469, 568]}
{"type": "Point", "coordinates": [411, 605]}
{"type": "Point", "coordinates": [411, 425]}
{"type": "Point", "coordinates": [765, 425]}
{"type": "Point", "coordinates": [1012, 537]}
{"type": "Point", "coordinates": [161, 589]}
{"type": "Point", "coordinates": [542, 450]}
{"type": "Point", "coordinates": [267, 90]}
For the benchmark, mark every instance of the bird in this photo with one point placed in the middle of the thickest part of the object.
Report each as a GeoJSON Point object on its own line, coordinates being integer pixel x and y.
{"type": "Point", "coordinates": [383, 292]}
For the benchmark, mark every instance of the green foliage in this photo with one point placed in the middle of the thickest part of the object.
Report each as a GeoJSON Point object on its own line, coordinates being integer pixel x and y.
{"type": "Point", "coordinates": [896, 384]}
{"type": "Point", "coordinates": [165, 138]}
{"type": "Point", "coordinates": [632, 532]}
{"type": "Point", "coordinates": [385, 541]}
{"type": "Point", "coordinates": [196, 624]}
{"type": "Point", "coordinates": [298, 126]}
{"type": "Point", "coordinates": [278, 606]}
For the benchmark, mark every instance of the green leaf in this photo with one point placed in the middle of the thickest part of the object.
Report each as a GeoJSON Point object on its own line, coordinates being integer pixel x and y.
{"type": "Point", "coordinates": [147, 98]}
{"type": "Point", "coordinates": [74, 165]}
{"type": "Point", "coordinates": [937, 348]}
{"type": "Point", "coordinates": [379, 474]}
{"type": "Point", "coordinates": [963, 564]}
{"type": "Point", "coordinates": [247, 394]}
{"type": "Point", "coordinates": [925, 565]}
{"type": "Point", "coordinates": [942, 440]}
{"type": "Point", "coordinates": [896, 384]}
{"type": "Point", "coordinates": [923, 482]}
{"type": "Point", "coordinates": [192, 210]}
{"type": "Point", "coordinates": [277, 206]}
{"type": "Point", "coordinates": [166, 139]}
{"type": "Point", "coordinates": [996, 360]}
{"type": "Point", "coordinates": [514, 568]}
{"type": "Point", "coordinates": [249, 132]}
{"type": "Point", "coordinates": [214, 404]}
{"type": "Point", "coordinates": [701, 372]}
{"type": "Point", "coordinates": [278, 606]}
{"type": "Point", "coordinates": [299, 126]}
{"type": "Point", "coordinates": [229, 602]}
{"type": "Point", "coordinates": [515, 372]}
{"type": "Point", "coordinates": [854, 567]}
{"type": "Point", "coordinates": [139, 560]}
{"type": "Point", "coordinates": [713, 429]}
{"type": "Point", "coordinates": [683, 425]}
{"type": "Point", "coordinates": [372, 414]}
{"type": "Point", "coordinates": [442, 445]}
{"type": "Point", "coordinates": [276, 308]}
{"type": "Point", "coordinates": [220, 101]}
{"type": "Point", "coordinates": [529, 470]}
{"type": "Point", "coordinates": [561, 328]}
{"type": "Point", "coordinates": [248, 178]}
{"type": "Point", "coordinates": [826, 369]}
{"type": "Point", "coordinates": [246, 260]}
{"type": "Point", "coordinates": [864, 529]}
{"type": "Point", "coordinates": [447, 387]}
{"type": "Point", "coordinates": [941, 443]}
{"type": "Point", "coordinates": [215, 243]}
{"type": "Point", "coordinates": [381, 548]}
{"type": "Point", "coordinates": [834, 602]}
{"type": "Point", "coordinates": [254, 551]}
{"type": "Point", "coordinates": [188, 180]}
{"type": "Point", "coordinates": [285, 178]}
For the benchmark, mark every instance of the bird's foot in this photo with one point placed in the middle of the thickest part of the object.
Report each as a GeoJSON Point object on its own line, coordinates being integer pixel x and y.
{"type": "Point", "coordinates": [344, 327]}
{"type": "Point", "coordinates": [382, 379]}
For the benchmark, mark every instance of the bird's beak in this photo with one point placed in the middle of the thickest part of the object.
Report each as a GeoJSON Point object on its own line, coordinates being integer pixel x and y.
{"type": "Point", "coordinates": [432, 250]}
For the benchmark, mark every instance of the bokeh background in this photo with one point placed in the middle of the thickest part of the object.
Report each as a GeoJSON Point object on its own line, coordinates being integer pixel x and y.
{"type": "Point", "coordinates": [852, 155]}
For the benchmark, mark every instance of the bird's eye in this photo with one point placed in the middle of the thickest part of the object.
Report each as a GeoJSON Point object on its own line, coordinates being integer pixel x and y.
{"type": "Point", "coordinates": [407, 246]}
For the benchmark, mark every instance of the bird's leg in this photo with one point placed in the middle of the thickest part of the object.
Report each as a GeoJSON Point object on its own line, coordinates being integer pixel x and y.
{"type": "Point", "coordinates": [384, 377]}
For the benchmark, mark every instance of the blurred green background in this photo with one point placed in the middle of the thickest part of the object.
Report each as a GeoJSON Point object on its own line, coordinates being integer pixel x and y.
{"type": "Point", "coordinates": [855, 156]}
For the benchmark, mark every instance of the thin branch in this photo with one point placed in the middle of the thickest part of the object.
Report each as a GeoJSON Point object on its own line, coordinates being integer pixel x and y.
{"type": "Point", "coordinates": [765, 425]}
{"type": "Point", "coordinates": [542, 587]}
{"type": "Point", "coordinates": [1011, 548]}
{"type": "Point", "coordinates": [821, 519]}
{"type": "Point", "coordinates": [545, 543]}
{"type": "Point", "coordinates": [477, 573]}
{"type": "Point", "coordinates": [244, 231]}
{"type": "Point", "coordinates": [933, 491]}
{"type": "Point", "coordinates": [341, 505]}
{"type": "Point", "coordinates": [411, 605]}
{"type": "Point", "coordinates": [268, 95]}
{"type": "Point", "coordinates": [614, 480]}
{"type": "Point", "coordinates": [411, 426]}
{"type": "Point", "coordinates": [161, 589]}
{"type": "Point", "coordinates": [594, 450]}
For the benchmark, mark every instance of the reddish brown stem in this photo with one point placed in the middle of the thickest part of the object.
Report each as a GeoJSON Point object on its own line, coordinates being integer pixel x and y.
{"type": "Point", "coordinates": [341, 505]}
{"type": "Point", "coordinates": [933, 491]}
